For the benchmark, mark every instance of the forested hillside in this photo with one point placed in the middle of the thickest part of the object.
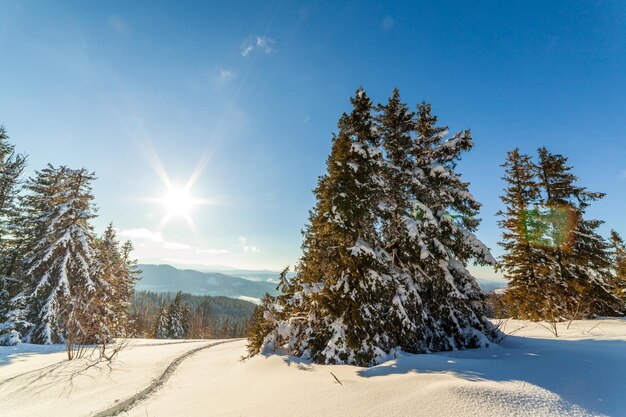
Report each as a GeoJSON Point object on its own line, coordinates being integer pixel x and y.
{"type": "Point", "coordinates": [166, 278]}
{"type": "Point", "coordinates": [209, 317]}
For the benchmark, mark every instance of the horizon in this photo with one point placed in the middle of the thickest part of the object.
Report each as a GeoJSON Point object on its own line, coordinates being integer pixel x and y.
{"type": "Point", "coordinates": [237, 106]}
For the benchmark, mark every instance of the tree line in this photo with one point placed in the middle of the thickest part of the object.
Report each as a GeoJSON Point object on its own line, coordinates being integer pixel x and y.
{"type": "Point", "coordinates": [388, 242]}
{"type": "Point", "coordinates": [185, 316]}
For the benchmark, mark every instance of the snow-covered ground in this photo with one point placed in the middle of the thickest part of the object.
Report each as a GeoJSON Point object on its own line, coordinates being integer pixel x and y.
{"type": "Point", "coordinates": [583, 372]}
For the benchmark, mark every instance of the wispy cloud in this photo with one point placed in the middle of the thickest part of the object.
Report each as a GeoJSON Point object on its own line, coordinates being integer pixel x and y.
{"type": "Point", "coordinates": [622, 175]}
{"type": "Point", "coordinates": [211, 251]}
{"type": "Point", "coordinates": [119, 25]}
{"type": "Point", "coordinates": [141, 234]}
{"type": "Point", "coordinates": [223, 76]}
{"type": "Point", "coordinates": [176, 246]}
{"type": "Point", "coordinates": [387, 23]}
{"type": "Point", "coordinates": [257, 43]}
{"type": "Point", "coordinates": [246, 246]}
{"type": "Point", "coordinates": [152, 246]}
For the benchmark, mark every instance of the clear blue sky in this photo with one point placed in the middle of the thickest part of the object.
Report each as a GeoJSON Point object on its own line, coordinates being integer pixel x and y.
{"type": "Point", "coordinates": [255, 89]}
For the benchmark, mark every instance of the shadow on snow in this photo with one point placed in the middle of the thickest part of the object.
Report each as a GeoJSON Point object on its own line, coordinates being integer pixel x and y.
{"type": "Point", "coordinates": [588, 373]}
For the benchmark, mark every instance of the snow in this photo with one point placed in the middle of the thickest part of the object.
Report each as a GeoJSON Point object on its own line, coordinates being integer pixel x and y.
{"type": "Point", "coordinates": [37, 380]}
{"type": "Point", "coordinates": [532, 373]}
{"type": "Point", "coordinates": [253, 300]}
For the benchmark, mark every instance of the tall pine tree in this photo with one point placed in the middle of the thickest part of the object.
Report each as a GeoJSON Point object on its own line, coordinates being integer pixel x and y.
{"type": "Point", "coordinates": [385, 253]}
{"type": "Point", "coordinates": [558, 264]}
{"type": "Point", "coordinates": [59, 269]}
{"type": "Point", "coordinates": [442, 240]}
{"type": "Point", "coordinates": [579, 257]}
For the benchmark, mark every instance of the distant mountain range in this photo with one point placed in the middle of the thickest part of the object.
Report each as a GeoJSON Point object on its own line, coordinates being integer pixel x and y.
{"type": "Point", "coordinates": [242, 284]}
{"type": "Point", "coordinates": [166, 278]}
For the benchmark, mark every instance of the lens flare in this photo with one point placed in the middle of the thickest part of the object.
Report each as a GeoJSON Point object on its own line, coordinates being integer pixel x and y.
{"type": "Point", "coordinates": [550, 226]}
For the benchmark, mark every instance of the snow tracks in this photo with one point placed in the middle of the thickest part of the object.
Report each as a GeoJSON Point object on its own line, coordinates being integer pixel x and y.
{"type": "Point", "coordinates": [132, 401]}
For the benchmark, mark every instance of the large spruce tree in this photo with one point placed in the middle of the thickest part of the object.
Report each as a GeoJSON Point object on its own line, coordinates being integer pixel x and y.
{"type": "Point", "coordinates": [340, 290]}
{"type": "Point", "coordinates": [442, 233]}
{"type": "Point", "coordinates": [385, 253]}
{"type": "Point", "coordinates": [60, 267]}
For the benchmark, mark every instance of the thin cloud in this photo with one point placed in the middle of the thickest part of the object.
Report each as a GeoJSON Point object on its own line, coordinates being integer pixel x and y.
{"type": "Point", "coordinates": [142, 234]}
{"type": "Point", "coordinates": [246, 246]}
{"type": "Point", "coordinates": [224, 76]}
{"type": "Point", "coordinates": [387, 23]}
{"type": "Point", "coordinates": [119, 25]}
{"type": "Point", "coordinates": [148, 238]}
{"type": "Point", "coordinates": [622, 175]}
{"type": "Point", "coordinates": [257, 43]}
{"type": "Point", "coordinates": [176, 246]}
{"type": "Point", "coordinates": [211, 251]}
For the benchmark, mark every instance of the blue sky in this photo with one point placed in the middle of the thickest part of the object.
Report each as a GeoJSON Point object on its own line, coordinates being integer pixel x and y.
{"type": "Point", "coordinates": [248, 94]}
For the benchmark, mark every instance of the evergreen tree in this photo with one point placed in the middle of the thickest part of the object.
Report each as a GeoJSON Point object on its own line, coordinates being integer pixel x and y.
{"type": "Point", "coordinates": [173, 320]}
{"type": "Point", "coordinates": [11, 168]}
{"type": "Point", "coordinates": [263, 326]}
{"type": "Point", "coordinates": [618, 249]}
{"type": "Point", "coordinates": [340, 290]}
{"type": "Point", "coordinates": [522, 234]}
{"type": "Point", "coordinates": [118, 273]}
{"type": "Point", "coordinates": [385, 252]}
{"type": "Point", "coordinates": [441, 242]}
{"type": "Point", "coordinates": [162, 324]}
{"type": "Point", "coordinates": [12, 302]}
{"type": "Point", "coordinates": [59, 268]}
{"type": "Point", "coordinates": [178, 314]}
{"type": "Point", "coordinates": [579, 260]}
{"type": "Point", "coordinates": [558, 265]}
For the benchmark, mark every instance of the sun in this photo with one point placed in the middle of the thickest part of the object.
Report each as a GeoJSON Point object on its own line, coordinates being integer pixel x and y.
{"type": "Point", "coordinates": [178, 202]}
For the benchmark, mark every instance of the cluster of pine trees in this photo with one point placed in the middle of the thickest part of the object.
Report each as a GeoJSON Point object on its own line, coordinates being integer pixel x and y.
{"type": "Point", "coordinates": [558, 266]}
{"type": "Point", "coordinates": [386, 249]}
{"type": "Point", "coordinates": [172, 322]}
{"type": "Point", "coordinates": [59, 281]}
{"type": "Point", "coordinates": [209, 317]}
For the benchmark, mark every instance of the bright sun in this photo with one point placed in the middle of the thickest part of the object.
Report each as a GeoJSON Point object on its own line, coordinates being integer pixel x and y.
{"type": "Point", "coordinates": [178, 202]}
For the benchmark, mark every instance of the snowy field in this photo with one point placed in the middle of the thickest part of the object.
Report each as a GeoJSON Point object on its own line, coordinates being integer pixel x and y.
{"type": "Point", "coordinates": [581, 373]}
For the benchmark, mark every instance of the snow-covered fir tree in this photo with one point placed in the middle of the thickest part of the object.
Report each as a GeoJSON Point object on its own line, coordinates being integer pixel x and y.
{"type": "Point", "coordinates": [162, 324]}
{"type": "Point", "coordinates": [118, 272]}
{"type": "Point", "coordinates": [442, 241]}
{"type": "Point", "coordinates": [263, 324]}
{"type": "Point", "coordinates": [396, 126]}
{"type": "Point", "coordinates": [12, 303]}
{"type": "Point", "coordinates": [60, 271]}
{"type": "Point", "coordinates": [385, 253]}
{"type": "Point", "coordinates": [173, 321]}
{"type": "Point", "coordinates": [178, 313]}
